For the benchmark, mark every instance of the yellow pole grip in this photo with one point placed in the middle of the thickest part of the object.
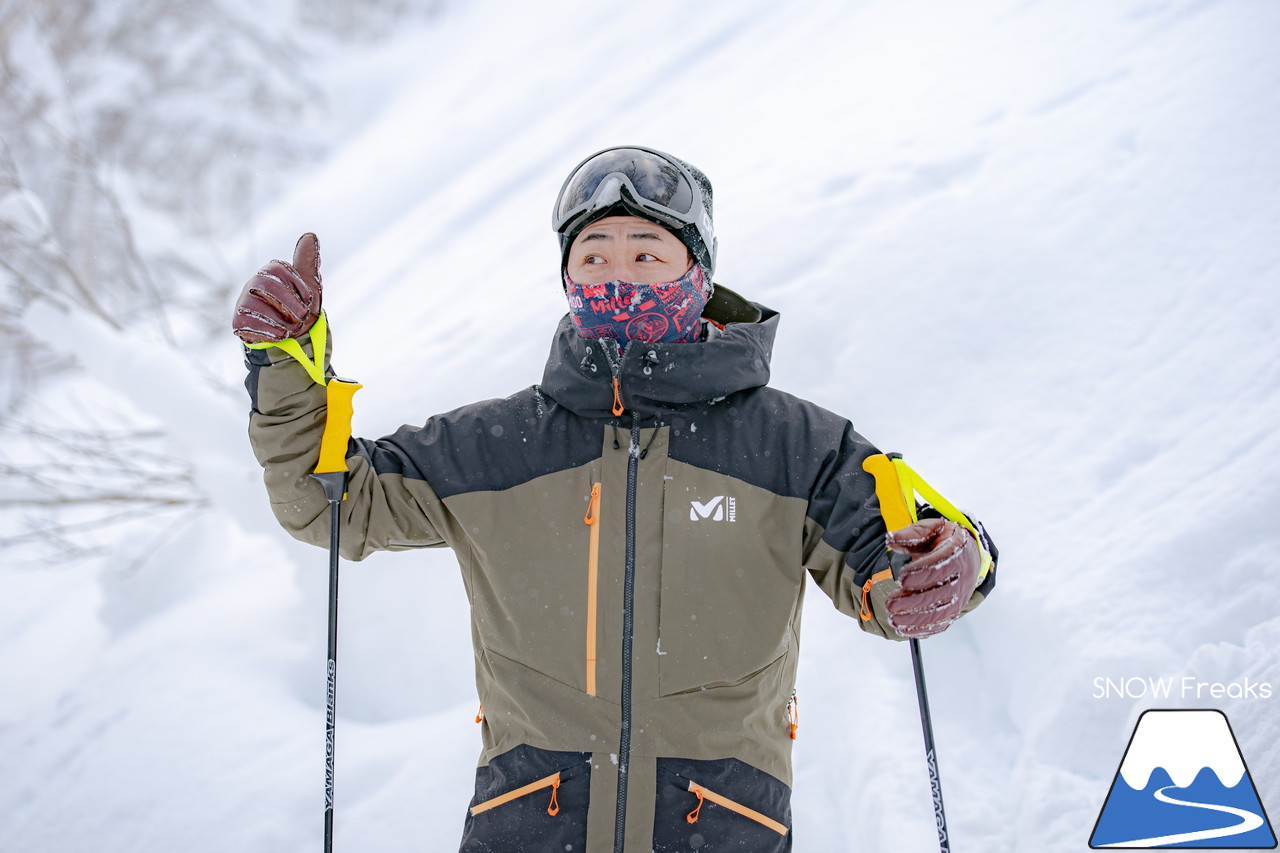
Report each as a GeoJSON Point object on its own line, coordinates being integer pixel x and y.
{"type": "Point", "coordinates": [337, 425]}
{"type": "Point", "coordinates": [895, 509]}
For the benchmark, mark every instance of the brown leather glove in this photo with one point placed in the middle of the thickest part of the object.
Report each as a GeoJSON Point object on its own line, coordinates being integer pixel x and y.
{"type": "Point", "coordinates": [282, 300]}
{"type": "Point", "coordinates": [937, 581]}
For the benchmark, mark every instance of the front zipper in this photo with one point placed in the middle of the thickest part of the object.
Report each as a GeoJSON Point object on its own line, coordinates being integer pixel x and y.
{"type": "Point", "coordinates": [592, 519]}
{"type": "Point", "coordinates": [628, 625]}
{"type": "Point", "coordinates": [704, 793]}
{"type": "Point", "coordinates": [628, 588]}
{"type": "Point", "coordinates": [552, 782]}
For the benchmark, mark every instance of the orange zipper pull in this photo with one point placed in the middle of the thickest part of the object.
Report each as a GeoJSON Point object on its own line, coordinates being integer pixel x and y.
{"type": "Point", "coordinates": [617, 398]}
{"type": "Point", "coordinates": [692, 816]}
{"type": "Point", "coordinates": [480, 714]}
{"type": "Point", "coordinates": [884, 575]}
{"type": "Point", "coordinates": [793, 713]}
{"type": "Point", "coordinates": [554, 808]}
{"type": "Point", "coordinates": [593, 505]}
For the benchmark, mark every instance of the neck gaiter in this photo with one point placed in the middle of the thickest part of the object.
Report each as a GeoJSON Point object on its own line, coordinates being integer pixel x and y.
{"type": "Point", "coordinates": [669, 312]}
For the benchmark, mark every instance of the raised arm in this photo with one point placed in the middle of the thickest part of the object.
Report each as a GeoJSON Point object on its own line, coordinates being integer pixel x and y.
{"type": "Point", "coordinates": [390, 505]}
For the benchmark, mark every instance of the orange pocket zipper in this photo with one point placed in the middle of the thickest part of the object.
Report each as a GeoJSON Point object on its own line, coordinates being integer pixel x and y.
{"type": "Point", "coordinates": [552, 782]}
{"type": "Point", "coordinates": [592, 519]}
{"type": "Point", "coordinates": [723, 801]}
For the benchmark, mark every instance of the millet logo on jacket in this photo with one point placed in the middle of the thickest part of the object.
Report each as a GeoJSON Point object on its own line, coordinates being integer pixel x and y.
{"type": "Point", "coordinates": [714, 509]}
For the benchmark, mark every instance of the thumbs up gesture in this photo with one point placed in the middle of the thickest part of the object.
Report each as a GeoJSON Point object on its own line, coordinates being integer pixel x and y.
{"type": "Point", "coordinates": [282, 300]}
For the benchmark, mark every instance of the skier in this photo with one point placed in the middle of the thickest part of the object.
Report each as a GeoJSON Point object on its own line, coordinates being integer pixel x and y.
{"type": "Point", "coordinates": [634, 532]}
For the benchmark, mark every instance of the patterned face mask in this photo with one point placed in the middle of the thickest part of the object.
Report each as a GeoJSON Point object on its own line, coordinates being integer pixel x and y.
{"type": "Point", "coordinates": [669, 312]}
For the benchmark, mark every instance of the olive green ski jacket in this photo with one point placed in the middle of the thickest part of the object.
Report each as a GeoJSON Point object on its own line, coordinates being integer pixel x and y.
{"type": "Point", "coordinates": [635, 534]}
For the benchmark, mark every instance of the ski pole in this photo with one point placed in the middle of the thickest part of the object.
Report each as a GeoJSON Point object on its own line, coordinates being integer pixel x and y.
{"type": "Point", "coordinates": [899, 512]}
{"type": "Point", "coordinates": [930, 753]}
{"type": "Point", "coordinates": [331, 471]}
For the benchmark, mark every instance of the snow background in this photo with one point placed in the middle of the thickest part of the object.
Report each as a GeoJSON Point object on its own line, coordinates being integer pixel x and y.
{"type": "Point", "coordinates": [1031, 245]}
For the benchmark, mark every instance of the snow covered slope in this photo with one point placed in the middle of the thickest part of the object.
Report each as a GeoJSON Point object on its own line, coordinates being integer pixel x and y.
{"type": "Point", "coordinates": [1030, 245]}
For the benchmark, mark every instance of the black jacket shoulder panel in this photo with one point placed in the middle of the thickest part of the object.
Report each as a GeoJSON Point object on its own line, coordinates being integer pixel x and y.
{"type": "Point", "coordinates": [763, 436]}
{"type": "Point", "coordinates": [488, 446]}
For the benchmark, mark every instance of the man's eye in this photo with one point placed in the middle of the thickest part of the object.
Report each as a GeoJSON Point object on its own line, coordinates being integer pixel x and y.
{"type": "Point", "coordinates": [593, 259]}
{"type": "Point", "coordinates": [645, 257]}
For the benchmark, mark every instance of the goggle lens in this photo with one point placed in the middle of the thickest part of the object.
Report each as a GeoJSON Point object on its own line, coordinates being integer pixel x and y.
{"type": "Point", "coordinates": [656, 180]}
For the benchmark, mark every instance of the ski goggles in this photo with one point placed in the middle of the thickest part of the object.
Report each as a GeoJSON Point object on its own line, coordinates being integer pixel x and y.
{"type": "Point", "coordinates": [647, 182]}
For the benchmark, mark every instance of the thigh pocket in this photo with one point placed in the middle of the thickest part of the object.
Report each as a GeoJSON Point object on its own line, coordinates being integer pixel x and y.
{"type": "Point", "coordinates": [527, 794]}
{"type": "Point", "coordinates": [722, 805]}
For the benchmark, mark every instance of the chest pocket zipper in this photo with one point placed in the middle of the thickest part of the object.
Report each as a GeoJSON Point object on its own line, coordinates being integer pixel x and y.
{"type": "Point", "coordinates": [552, 782]}
{"type": "Point", "coordinates": [733, 806]}
{"type": "Point", "coordinates": [592, 520]}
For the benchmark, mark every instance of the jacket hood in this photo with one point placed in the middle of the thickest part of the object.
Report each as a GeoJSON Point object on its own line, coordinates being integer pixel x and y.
{"type": "Point", "coordinates": [657, 377]}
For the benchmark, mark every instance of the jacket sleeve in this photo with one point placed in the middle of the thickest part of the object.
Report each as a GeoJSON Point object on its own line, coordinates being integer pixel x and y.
{"type": "Point", "coordinates": [389, 506]}
{"type": "Point", "coordinates": [844, 538]}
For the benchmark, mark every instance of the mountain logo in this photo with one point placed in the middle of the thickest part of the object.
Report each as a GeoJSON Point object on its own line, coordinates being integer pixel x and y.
{"type": "Point", "coordinates": [1183, 783]}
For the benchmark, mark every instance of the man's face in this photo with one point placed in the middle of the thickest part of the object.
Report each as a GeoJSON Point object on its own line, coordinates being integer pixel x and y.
{"type": "Point", "coordinates": [626, 248]}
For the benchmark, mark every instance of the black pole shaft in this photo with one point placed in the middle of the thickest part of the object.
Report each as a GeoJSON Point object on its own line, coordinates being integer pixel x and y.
{"type": "Point", "coordinates": [931, 756]}
{"type": "Point", "coordinates": [331, 668]}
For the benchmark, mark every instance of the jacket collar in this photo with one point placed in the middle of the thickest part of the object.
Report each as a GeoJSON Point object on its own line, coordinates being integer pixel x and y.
{"type": "Point", "coordinates": [656, 378]}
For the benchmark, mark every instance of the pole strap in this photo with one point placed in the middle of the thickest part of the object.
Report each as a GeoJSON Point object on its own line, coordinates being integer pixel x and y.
{"type": "Point", "coordinates": [897, 485]}
{"type": "Point", "coordinates": [318, 333]}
